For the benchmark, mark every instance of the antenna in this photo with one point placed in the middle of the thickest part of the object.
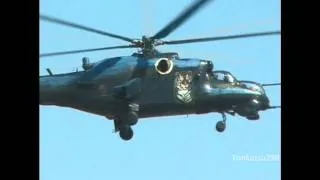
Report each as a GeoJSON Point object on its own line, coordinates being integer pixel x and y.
{"type": "Point", "coordinates": [49, 71]}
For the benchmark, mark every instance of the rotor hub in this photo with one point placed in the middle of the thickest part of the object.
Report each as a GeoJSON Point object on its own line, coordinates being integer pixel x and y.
{"type": "Point", "coordinates": [148, 43]}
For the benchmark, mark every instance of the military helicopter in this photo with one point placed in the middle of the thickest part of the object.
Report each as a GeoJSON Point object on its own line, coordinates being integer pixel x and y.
{"type": "Point", "coordinates": [150, 83]}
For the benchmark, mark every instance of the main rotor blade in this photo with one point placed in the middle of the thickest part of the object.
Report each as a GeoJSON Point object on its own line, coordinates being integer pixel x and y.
{"type": "Point", "coordinates": [272, 84]}
{"type": "Point", "coordinates": [221, 38]}
{"type": "Point", "coordinates": [70, 24]}
{"type": "Point", "coordinates": [84, 50]}
{"type": "Point", "coordinates": [191, 10]}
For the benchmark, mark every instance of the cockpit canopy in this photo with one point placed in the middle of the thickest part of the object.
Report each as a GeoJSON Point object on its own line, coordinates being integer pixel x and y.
{"type": "Point", "coordinates": [252, 86]}
{"type": "Point", "coordinates": [224, 76]}
{"type": "Point", "coordinates": [227, 77]}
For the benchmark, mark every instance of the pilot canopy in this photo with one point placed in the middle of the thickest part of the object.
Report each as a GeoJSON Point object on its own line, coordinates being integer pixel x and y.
{"type": "Point", "coordinates": [252, 86]}
{"type": "Point", "coordinates": [224, 76]}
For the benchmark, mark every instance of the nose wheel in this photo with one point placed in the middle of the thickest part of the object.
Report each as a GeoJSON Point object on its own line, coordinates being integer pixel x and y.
{"type": "Point", "coordinates": [221, 125]}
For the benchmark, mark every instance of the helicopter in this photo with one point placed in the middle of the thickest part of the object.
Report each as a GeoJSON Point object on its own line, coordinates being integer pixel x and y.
{"type": "Point", "coordinates": [150, 83]}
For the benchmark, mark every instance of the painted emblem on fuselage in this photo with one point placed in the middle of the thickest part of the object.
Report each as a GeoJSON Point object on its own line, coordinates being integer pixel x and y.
{"type": "Point", "coordinates": [183, 87]}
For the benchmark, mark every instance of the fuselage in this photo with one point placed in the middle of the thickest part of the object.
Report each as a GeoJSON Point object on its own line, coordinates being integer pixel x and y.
{"type": "Point", "coordinates": [188, 88]}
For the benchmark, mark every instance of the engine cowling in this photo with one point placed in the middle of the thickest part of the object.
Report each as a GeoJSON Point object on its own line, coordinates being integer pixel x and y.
{"type": "Point", "coordinates": [163, 66]}
{"type": "Point", "coordinates": [129, 90]}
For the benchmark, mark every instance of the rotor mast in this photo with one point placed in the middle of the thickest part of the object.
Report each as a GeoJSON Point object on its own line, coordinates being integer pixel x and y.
{"type": "Point", "coordinates": [148, 47]}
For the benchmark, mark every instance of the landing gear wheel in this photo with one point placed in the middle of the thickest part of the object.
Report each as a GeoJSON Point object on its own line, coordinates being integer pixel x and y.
{"type": "Point", "coordinates": [221, 126]}
{"type": "Point", "coordinates": [126, 133]}
{"type": "Point", "coordinates": [133, 118]}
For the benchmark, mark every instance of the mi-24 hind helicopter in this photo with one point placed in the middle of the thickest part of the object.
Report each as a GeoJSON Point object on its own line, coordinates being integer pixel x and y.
{"type": "Point", "coordinates": [150, 83]}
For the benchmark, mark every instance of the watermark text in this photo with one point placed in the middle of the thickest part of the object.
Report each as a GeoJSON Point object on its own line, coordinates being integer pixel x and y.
{"type": "Point", "coordinates": [256, 157]}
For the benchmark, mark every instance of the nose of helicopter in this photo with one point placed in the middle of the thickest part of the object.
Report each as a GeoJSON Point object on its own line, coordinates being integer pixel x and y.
{"type": "Point", "coordinates": [259, 99]}
{"type": "Point", "coordinates": [234, 93]}
{"type": "Point", "coordinates": [264, 102]}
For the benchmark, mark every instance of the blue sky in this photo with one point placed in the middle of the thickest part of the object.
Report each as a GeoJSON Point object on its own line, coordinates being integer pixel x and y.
{"type": "Point", "coordinates": [81, 146]}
